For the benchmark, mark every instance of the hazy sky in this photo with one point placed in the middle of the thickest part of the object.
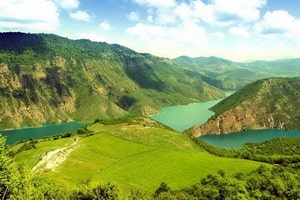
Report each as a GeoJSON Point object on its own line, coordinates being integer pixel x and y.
{"type": "Point", "coordinates": [239, 30]}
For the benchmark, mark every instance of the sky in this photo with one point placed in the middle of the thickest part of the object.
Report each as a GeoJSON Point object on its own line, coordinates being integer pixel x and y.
{"type": "Point", "coordinates": [239, 30]}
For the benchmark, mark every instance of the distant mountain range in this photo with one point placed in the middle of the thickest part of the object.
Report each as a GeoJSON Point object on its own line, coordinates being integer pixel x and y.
{"type": "Point", "coordinates": [268, 103]}
{"type": "Point", "coordinates": [234, 75]}
{"type": "Point", "coordinates": [45, 78]}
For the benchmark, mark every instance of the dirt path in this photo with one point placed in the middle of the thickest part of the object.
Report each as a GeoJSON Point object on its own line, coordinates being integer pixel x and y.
{"type": "Point", "coordinates": [54, 158]}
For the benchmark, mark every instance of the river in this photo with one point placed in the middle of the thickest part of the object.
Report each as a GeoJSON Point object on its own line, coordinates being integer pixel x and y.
{"type": "Point", "coordinates": [182, 117]}
{"type": "Point", "coordinates": [179, 118]}
{"type": "Point", "coordinates": [22, 134]}
{"type": "Point", "coordinates": [237, 140]}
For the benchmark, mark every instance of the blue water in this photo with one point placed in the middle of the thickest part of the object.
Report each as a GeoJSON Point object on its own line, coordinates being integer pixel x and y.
{"type": "Point", "coordinates": [182, 117]}
{"type": "Point", "coordinates": [237, 140]}
{"type": "Point", "coordinates": [22, 134]}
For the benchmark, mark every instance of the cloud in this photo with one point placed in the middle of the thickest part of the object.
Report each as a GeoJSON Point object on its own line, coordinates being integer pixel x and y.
{"type": "Point", "coordinates": [246, 10]}
{"type": "Point", "coordinates": [105, 26]}
{"type": "Point", "coordinates": [227, 12]}
{"type": "Point", "coordinates": [279, 23]}
{"type": "Point", "coordinates": [219, 35]}
{"type": "Point", "coordinates": [239, 32]}
{"type": "Point", "coordinates": [20, 15]}
{"type": "Point", "coordinates": [167, 40]}
{"type": "Point", "coordinates": [133, 16]}
{"type": "Point", "coordinates": [165, 17]}
{"type": "Point", "coordinates": [145, 31]}
{"type": "Point", "coordinates": [157, 3]}
{"type": "Point", "coordinates": [216, 12]}
{"type": "Point", "coordinates": [68, 4]}
{"type": "Point", "coordinates": [81, 16]}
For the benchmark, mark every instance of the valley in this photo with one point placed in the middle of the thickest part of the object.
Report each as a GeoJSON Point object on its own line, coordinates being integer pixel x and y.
{"type": "Point", "coordinates": [92, 120]}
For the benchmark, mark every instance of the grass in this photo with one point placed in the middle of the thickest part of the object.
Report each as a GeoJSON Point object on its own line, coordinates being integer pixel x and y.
{"type": "Point", "coordinates": [27, 159]}
{"type": "Point", "coordinates": [134, 156]}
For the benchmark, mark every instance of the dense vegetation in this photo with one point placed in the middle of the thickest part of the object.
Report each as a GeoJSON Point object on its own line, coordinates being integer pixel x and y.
{"type": "Point", "coordinates": [261, 183]}
{"type": "Point", "coordinates": [283, 151]}
{"type": "Point", "coordinates": [267, 103]}
{"type": "Point", "coordinates": [277, 96]}
{"type": "Point", "coordinates": [47, 78]}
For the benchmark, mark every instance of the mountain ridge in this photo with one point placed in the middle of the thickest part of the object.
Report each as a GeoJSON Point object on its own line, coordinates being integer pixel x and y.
{"type": "Point", "coordinates": [234, 75]}
{"type": "Point", "coordinates": [264, 104]}
{"type": "Point", "coordinates": [46, 78]}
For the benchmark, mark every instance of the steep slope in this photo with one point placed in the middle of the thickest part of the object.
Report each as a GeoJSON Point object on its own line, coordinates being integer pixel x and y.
{"type": "Point", "coordinates": [267, 103]}
{"type": "Point", "coordinates": [47, 78]}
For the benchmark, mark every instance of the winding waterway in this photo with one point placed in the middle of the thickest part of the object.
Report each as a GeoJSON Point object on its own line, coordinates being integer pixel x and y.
{"type": "Point", "coordinates": [179, 118]}
{"type": "Point", "coordinates": [237, 140]}
{"type": "Point", "coordinates": [22, 134]}
{"type": "Point", "coordinates": [182, 117]}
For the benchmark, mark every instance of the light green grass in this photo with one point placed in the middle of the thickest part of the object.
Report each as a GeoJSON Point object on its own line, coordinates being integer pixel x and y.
{"type": "Point", "coordinates": [135, 157]}
{"type": "Point", "coordinates": [27, 159]}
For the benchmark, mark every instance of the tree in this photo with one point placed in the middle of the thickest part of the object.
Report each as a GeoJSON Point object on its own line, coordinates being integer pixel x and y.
{"type": "Point", "coordinates": [9, 175]}
{"type": "Point", "coordinates": [163, 187]}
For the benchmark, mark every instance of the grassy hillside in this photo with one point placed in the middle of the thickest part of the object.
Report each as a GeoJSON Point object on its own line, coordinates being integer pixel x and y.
{"type": "Point", "coordinates": [47, 78]}
{"type": "Point", "coordinates": [135, 154]}
{"type": "Point", "coordinates": [267, 103]}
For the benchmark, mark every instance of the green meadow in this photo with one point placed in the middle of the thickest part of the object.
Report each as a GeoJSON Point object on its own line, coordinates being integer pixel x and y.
{"type": "Point", "coordinates": [133, 156]}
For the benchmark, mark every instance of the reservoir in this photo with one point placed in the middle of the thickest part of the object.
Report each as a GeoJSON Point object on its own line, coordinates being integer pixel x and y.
{"type": "Point", "coordinates": [179, 118]}
{"type": "Point", "coordinates": [22, 134]}
{"type": "Point", "coordinates": [237, 140]}
{"type": "Point", "coordinates": [183, 117]}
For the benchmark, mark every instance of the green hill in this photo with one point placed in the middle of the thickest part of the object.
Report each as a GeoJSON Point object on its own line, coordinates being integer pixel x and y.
{"type": "Point", "coordinates": [47, 78]}
{"type": "Point", "coordinates": [138, 153]}
{"type": "Point", "coordinates": [267, 103]}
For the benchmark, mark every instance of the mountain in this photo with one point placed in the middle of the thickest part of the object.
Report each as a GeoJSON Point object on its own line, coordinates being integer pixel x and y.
{"type": "Point", "coordinates": [234, 75]}
{"type": "Point", "coordinates": [46, 78]}
{"type": "Point", "coordinates": [285, 67]}
{"type": "Point", "coordinates": [267, 103]}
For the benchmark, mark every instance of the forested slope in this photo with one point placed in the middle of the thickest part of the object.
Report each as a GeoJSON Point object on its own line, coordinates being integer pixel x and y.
{"type": "Point", "coordinates": [47, 78]}
{"type": "Point", "coordinates": [267, 103]}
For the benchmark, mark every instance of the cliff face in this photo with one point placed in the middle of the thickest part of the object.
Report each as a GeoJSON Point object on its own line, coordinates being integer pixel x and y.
{"type": "Point", "coordinates": [47, 78]}
{"type": "Point", "coordinates": [268, 103]}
